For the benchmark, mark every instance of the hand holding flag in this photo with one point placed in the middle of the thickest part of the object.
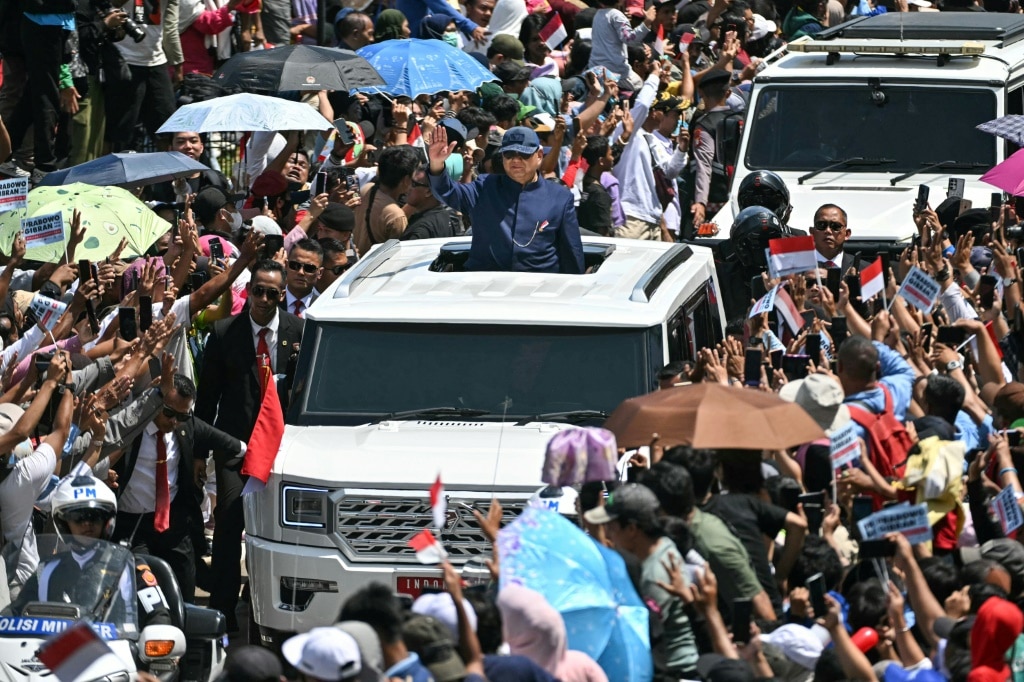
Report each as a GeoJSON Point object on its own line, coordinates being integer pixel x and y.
{"type": "Point", "coordinates": [428, 549]}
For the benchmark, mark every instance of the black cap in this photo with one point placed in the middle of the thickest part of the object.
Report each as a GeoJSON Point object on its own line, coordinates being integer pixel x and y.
{"type": "Point", "coordinates": [211, 200]}
{"type": "Point", "coordinates": [510, 72]}
{"type": "Point", "coordinates": [251, 664]}
{"type": "Point", "coordinates": [632, 501]}
{"type": "Point", "coordinates": [718, 668]}
{"type": "Point", "coordinates": [456, 130]}
{"type": "Point", "coordinates": [338, 217]}
{"type": "Point", "coordinates": [715, 76]}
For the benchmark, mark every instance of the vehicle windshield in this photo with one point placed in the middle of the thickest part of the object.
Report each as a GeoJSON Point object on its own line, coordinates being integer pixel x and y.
{"type": "Point", "coordinates": [365, 371]}
{"type": "Point", "coordinates": [807, 127]}
{"type": "Point", "coordinates": [92, 580]}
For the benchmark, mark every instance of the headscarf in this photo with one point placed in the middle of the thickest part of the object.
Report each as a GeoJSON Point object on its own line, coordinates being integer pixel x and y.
{"type": "Point", "coordinates": [389, 26]}
{"type": "Point", "coordinates": [434, 26]}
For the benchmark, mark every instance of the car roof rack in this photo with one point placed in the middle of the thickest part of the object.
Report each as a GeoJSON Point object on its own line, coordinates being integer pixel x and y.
{"type": "Point", "coordinates": [649, 282]}
{"type": "Point", "coordinates": [1005, 29]}
{"type": "Point", "coordinates": [365, 267]}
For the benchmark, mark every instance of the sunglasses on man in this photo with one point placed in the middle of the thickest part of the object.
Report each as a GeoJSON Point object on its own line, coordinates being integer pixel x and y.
{"type": "Point", "coordinates": [308, 268]}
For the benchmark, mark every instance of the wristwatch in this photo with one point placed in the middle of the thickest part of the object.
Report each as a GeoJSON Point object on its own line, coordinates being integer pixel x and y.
{"type": "Point", "coordinates": [1009, 281]}
{"type": "Point", "coordinates": [953, 365]}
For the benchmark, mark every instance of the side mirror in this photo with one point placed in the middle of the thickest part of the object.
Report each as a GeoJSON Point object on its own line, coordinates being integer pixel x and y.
{"type": "Point", "coordinates": [160, 642]}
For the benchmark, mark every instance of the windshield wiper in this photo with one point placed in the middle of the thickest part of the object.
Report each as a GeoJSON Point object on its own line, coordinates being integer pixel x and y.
{"type": "Point", "coordinates": [434, 412]}
{"type": "Point", "coordinates": [573, 416]}
{"type": "Point", "coordinates": [852, 161]}
{"type": "Point", "coordinates": [944, 165]}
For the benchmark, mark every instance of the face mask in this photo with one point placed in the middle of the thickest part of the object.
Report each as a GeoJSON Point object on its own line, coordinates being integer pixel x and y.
{"type": "Point", "coordinates": [236, 220]}
{"type": "Point", "coordinates": [451, 38]}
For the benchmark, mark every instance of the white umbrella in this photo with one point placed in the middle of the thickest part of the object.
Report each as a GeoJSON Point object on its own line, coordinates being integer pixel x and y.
{"type": "Point", "coordinates": [244, 112]}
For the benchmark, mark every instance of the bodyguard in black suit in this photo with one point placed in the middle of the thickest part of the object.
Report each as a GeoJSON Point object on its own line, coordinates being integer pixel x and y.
{"type": "Point", "coordinates": [171, 452]}
{"type": "Point", "coordinates": [229, 392]}
{"type": "Point", "coordinates": [830, 231]}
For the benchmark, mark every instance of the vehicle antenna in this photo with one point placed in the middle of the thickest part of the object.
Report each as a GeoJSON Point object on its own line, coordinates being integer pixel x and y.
{"type": "Point", "coordinates": [505, 404]}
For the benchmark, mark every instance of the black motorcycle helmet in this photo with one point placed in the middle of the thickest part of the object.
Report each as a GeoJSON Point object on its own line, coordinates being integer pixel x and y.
{"type": "Point", "coordinates": [750, 232]}
{"type": "Point", "coordinates": [765, 188]}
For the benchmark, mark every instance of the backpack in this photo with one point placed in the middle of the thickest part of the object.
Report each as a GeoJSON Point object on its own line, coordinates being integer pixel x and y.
{"type": "Point", "coordinates": [887, 438]}
{"type": "Point", "coordinates": [727, 129]}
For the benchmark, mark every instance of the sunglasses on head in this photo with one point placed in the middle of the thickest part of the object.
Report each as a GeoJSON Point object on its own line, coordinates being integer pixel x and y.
{"type": "Point", "coordinates": [270, 293]}
{"type": "Point", "coordinates": [174, 414]}
{"type": "Point", "coordinates": [85, 516]}
{"type": "Point", "coordinates": [308, 268]}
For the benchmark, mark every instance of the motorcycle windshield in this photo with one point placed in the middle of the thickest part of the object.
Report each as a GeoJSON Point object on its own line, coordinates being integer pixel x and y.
{"type": "Point", "coordinates": [77, 579]}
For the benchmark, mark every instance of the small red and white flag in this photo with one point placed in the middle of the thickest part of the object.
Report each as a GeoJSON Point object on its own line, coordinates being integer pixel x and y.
{"type": "Point", "coordinates": [72, 652]}
{"type": "Point", "coordinates": [554, 34]}
{"type": "Point", "coordinates": [659, 41]}
{"type": "Point", "coordinates": [415, 137]}
{"type": "Point", "coordinates": [872, 280]}
{"type": "Point", "coordinates": [790, 313]}
{"type": "Point", "coordinates": [428, 549]}
{"type": "Point", "coordinates": [789, 255]}
{"type": "Point", "coordinates": [438, 503]}
{"type": "Point", "coordinates": [265, 439]}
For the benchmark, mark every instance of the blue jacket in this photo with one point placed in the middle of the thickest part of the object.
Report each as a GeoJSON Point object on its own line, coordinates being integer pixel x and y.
{"type": "Point", "coordinates": [531, 229]}
{"type": "Point", "coordinates": [898, 377]}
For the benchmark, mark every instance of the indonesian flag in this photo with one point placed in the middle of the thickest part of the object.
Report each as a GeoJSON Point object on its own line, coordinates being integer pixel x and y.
{"type": "Point", "coordinates": [790, 313]}
{"type": "Point", "coordinates": [265, 439]}
{"type": "Point", "coordinates": [428, 549]}
{"type": "Point", "coordinates": [71, 653]}
{"type": "Point", "coordinates": [872, 280]}
{"type": "Point", "coordinates": [791, 254]}
{"type": "Point", "coordinates": [438, 503]}
{"type": "Point", "coordinates": [554, 34]}
{"type": "Point", "coordinates": [659, 41]}
{"type": "Point", "coordinates": [990, 329]}
{"type": "Point", "coordinates": [415, 137]}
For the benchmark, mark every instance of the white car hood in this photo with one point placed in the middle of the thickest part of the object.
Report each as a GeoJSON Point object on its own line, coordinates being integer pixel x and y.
{"type": "Point", "coordinates": [468, 455]}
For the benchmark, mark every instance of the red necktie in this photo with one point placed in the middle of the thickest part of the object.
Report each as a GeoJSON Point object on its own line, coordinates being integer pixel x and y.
{"type": "Point", "coordinates": [263, 357]}
{"type": "Point", "coordinates": [299, 307]}
{"type": "Point", "coordinates": [830, 264]}
{"type": "Point", "coordinates": [162, 518]}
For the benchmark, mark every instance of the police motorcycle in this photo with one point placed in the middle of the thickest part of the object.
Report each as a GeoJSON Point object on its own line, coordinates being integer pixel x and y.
{"type": "Point", "coordinates": [83, 577]}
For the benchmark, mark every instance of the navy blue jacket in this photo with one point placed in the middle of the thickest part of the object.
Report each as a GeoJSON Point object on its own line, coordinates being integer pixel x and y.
{"type": "Point", "coordinates": [531, 229]}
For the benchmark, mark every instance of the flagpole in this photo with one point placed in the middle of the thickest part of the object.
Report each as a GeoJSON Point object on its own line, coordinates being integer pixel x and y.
{"type": "Point", "coordinates": [886, 303]}
{"type": "Point", "coordinates": [817, 276]}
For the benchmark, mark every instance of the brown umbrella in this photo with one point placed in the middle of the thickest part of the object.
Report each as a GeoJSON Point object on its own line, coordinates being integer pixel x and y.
{"type": "Point", "coordinates": [712, 416]}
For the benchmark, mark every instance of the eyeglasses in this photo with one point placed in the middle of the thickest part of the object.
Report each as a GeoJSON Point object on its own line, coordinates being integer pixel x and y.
{"type": "Point", "coordinates": [338, 269]}
{"type": "Point", "coordinates": [516, 155]}
{"type": "Point", "coordinates": [822, 225]}
{"type": "Point", "coordinates": [270, 293]}
{"type": "Point", "coordinates": [174, 414]}
{"type": "Point", "coordinates": [79, 516]}
{"type": "Point", "coordinates": [308, 268]}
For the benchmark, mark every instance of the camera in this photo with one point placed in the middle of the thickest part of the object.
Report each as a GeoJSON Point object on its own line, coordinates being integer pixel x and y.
{"type": "Point", "coordinates": [131, 29]}
{"type": "Point", "coordinates": [1015, 233]}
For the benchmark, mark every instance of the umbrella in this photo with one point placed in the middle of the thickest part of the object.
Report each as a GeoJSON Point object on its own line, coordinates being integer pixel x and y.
{"type": "Point", "coordinates": [414, 67]}
{"type": "Point", "coordinates": [710, 415]}
{"type": "Point", "coordinates": [580, 455]}
{"type": "Point", "coordinates": [296, 67]}
{"type": "Point", "coordinates": [127, 170]}
{"type": "Point", "coordinates": [244, 112]}
{"type": "Point", "coordinates": [108, 215]}
{"type": "Point", "coordinates": [585, 582]}
{"type": "Point", "coordinates": [1007, 127]}
{"type": "Point", "coordinates": [1008, 175]}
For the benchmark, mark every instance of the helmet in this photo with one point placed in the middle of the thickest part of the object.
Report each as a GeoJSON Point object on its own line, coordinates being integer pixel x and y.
{"type": "Point", "coordinates": [765, 188]}
{"type": "Point", "coordinates": [751, 230]}
{"type": "Point", "coordinates": [555, 498]}
{"type": "Point", "coordinates": [81, 493]}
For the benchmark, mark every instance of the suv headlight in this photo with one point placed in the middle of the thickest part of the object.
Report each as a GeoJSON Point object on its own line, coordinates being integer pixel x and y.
{"type": "Point", "coordinates": [304, 507]}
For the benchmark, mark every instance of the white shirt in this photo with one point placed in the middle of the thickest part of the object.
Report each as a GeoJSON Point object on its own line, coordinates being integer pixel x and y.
{"type": "Point", "coordinates": [291, 298]}
{"type": "Point", "coordinates": [837, 259]}
{"type": "Point", "coordinates": [139, 497]}
{"type": "Point", "coordinates": [18, 493]}
{"type": "Point", "coordinates": [271, 338]}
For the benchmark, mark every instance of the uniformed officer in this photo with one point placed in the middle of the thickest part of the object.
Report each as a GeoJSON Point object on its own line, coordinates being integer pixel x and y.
{"type": "Point", "coordinates": [714, 91]}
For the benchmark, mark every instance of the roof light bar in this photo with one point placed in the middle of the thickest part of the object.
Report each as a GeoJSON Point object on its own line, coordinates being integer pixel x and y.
{"type": "Point", "coordinates": [895, 47]}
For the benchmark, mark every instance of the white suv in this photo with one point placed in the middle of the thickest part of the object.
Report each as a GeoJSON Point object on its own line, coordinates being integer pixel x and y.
{"type": "Point", "coordinates": [411, 367]}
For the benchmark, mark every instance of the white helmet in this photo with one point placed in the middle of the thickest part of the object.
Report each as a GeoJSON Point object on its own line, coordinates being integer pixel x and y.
{"type": "Point", "coordinates": [561, 500]}
{"type": "Point", "coordinates": [80, 494]}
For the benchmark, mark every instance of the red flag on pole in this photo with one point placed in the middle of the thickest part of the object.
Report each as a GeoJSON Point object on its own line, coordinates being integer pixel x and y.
{"type": "Point", "coordinates": [266, 437]}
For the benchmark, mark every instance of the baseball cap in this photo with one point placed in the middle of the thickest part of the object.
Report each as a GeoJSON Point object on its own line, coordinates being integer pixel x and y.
{"type": "Point", "coordinates": [507, 46]}
{"type": "Point", "coordinates": [520, 139]}
{"type": "Point", "coordinates": [688, 33]}
{"type": "Point", "coordinates": [631, 500]}
{"type": "Point", "coordinates": [763, 27]}
{"type": "Point", "coordinates": [251, 664]}
{"type": "Point", "coordinates": [715, 76]}
{"type": "Point", "coordinates": [211, 200]}
{"type": "Point", "coordinates": [797, 643]}
{"type": "Point", "coordinates": [370, 654]}
{"type": "Point", "coordinates": [821, 397]}
{"type": "Point", "coordinates": [510, 72]}
{"type": "Point", "coordinates": [455, 127]}
{"type": "Point", "coordinates": [338, 217]}
{"type": "Point", "coordinates": [667, 102]}
{"type": "Point", "coordinates": [266, 225]}
{"type": "Point", "coordinates": [430, 639]}
{"type": "Point", "coordinates": [326, 653]}
{"type": "Point", "coordinates": [944, 625]}
{"type": "Point", "coordinates": [542, 122]}
{"type": "Point", "coordinates": [718, 668]}
{"type": "Point", "coordinates": [1009, 402]}
{"type": "Point", "coordinates": [439, 605]}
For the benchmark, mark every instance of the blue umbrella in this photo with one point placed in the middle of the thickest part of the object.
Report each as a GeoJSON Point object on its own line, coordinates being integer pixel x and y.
{"type": "Point", "coordinates": [128, 170]}
{"type": "Point", "coordinates": [585, 582]}
{"type": "Point", "coordinates": [414, 67]}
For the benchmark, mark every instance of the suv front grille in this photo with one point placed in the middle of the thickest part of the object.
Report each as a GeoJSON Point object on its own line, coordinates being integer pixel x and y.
{"type": "Point", "coordinates": [379, 530]}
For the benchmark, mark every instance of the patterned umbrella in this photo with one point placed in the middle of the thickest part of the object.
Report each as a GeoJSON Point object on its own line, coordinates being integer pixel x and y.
{"type": "Point", "coordinates": [1007, 127]}
{"type": "Point", "coordinates": [414, 67]}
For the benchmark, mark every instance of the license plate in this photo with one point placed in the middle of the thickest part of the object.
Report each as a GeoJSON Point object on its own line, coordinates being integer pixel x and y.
{"type": "Point", "coordinates": [415, 586]}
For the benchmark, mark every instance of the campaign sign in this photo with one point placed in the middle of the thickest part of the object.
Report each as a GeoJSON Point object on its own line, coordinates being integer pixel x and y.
{"type": "Point", "coordinates": [13, 194]}
{"type": "Point", "coordinates": [17, 626]}
{"type": "Point", "coordinates": [843, 446]}
{"type": "Point", "coordinates": [766, 303]}
{"type": "Point", "coordinates": [42, 230]}
{"type": "Point", "coordinates": [46, 310]}
{"type": "Point", "coordinates": [911, 521]}
{"type": "Point", "coordinates": [919, 289]}
{"type": "Point", "coordinates": [1007, 510]}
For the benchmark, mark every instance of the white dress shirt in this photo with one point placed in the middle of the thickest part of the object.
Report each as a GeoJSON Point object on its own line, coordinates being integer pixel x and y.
{"type": "Point", "coordinates": [837, 259]}
{"type": "Point", "coordinates": [291, 298]}
{"type": "Point", "coordinates": [18, 492]}
{"type": "Point", "coordinates": [139, 497]}
{"type": "Point", "coordinates": [271, 338]}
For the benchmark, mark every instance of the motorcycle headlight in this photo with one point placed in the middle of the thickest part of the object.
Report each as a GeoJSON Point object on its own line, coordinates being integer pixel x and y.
{"type": "Point", "coordinates": [304, 507]}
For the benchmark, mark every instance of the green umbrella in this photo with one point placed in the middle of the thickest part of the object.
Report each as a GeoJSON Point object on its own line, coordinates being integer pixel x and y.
{"type": "Point", "coordinates": [108, 215]}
